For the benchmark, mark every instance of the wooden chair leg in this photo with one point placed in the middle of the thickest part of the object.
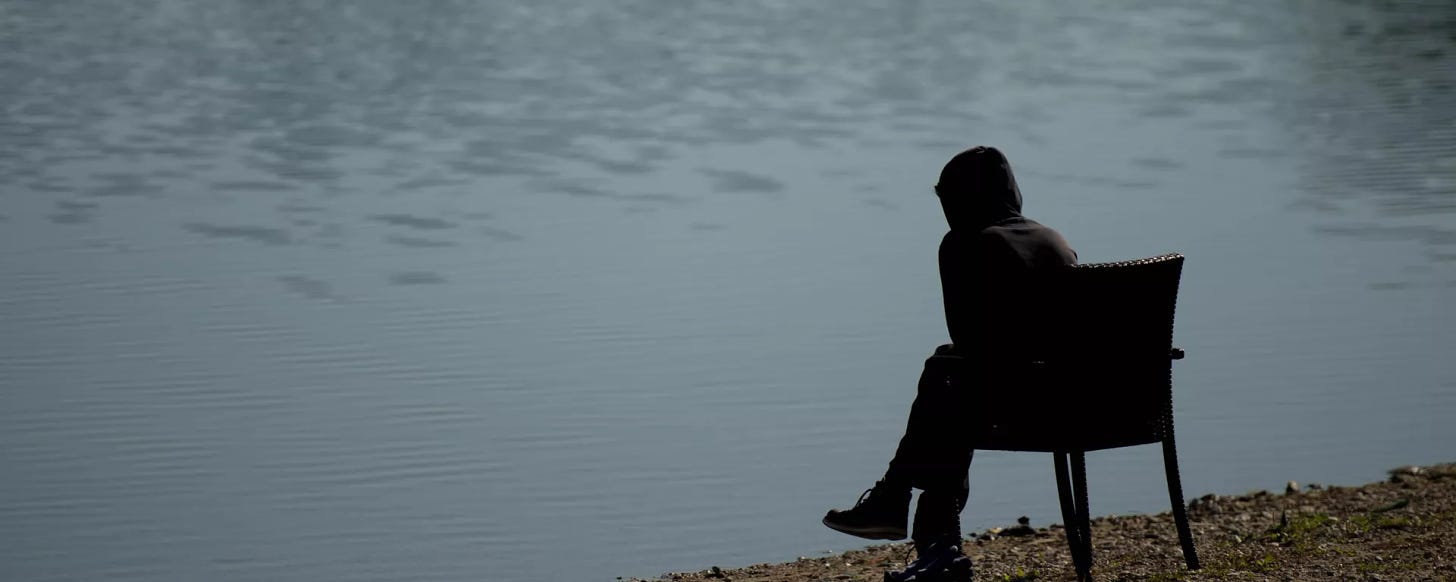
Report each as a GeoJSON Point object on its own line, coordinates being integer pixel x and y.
{"type": "Point", "coordinates": [1069, 511]}
{"type": "Point", "coordinates": [1084, 523]}
{"type": "Point", "coordinates": [1180, 510]}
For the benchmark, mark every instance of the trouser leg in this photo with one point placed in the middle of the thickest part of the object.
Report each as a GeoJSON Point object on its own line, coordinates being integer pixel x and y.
{"type": "Point", "coordinates": [938, 513]}
{"type": "Point", "coordinates": [934, 456]}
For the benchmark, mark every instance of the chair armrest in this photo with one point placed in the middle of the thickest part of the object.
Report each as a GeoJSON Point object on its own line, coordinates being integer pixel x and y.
{"type": "Point", "coordinates": [1176, 353]}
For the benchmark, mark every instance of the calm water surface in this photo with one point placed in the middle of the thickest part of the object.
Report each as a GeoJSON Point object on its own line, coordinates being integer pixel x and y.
{"type": "Point", "coordinates": [572, 290]}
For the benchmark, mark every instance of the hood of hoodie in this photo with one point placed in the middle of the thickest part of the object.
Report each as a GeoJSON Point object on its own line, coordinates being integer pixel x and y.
{"type": "Point", "coordinates": [979, 189]}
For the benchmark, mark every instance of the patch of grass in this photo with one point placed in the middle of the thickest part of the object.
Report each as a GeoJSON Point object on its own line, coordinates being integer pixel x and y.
{"type": "Point", "coordinates": [1385, 566]}
{"type": "Point", "coordinates": [1020, 576]}
{"type": "Point", "coordinates": [1259, 565]}
{"type": "Point", "coordinates": [1224, 568]}
{"type": "Point", "coordinates": [1263, 564]}
{"type": "Point", "coordinates": [1296, 532]}
{"type": "Point", "coordinates": [1363, 524]}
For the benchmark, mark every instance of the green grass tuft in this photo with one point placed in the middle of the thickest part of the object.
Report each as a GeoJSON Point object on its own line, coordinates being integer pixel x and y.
{"type": "Point", "coordinates": [1020, 576]}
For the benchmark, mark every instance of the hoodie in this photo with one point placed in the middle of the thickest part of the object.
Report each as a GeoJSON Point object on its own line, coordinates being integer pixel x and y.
{"type": "Point", "coordinates": [990, 259]}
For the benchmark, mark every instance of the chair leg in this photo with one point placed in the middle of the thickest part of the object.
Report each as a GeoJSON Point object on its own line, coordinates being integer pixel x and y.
{"type": "Point", "coordinates": [1069, 512]}
{"type": "Point", "coordinates": [1084, 523]}
{"type": "Point", "coordinates": [1180, 510]}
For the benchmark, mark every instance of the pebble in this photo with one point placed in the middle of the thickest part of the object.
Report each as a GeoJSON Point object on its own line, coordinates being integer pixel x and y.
{"type": "Point", "coordinates": [1017, 531]}
{"type": "Point", "coordinates": [1398, 475]}
{"type": "Point", "coordinates": [1291, 488]}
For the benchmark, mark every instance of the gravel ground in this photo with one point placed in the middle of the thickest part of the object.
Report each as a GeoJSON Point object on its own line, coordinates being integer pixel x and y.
{"type": "Point", "coordinates": [1403, 529]}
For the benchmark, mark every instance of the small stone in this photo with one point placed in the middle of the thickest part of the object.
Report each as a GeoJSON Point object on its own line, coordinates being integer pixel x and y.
{"type": "Point", "coordinates": [1392, 506]}
{"type": "Point", "coordinates": [1398, 473]}
{"type": "Point", "coordinates": [1023, 520]}
{"type": "Point", "coordinates": [1291, 488]}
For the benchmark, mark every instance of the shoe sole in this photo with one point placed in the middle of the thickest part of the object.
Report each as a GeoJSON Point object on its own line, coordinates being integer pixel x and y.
{"type": "Point", "coordinates": [869, 533]}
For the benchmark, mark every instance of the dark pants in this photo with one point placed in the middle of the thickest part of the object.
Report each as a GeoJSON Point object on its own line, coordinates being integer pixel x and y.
{"type": "Point", "coordinates": [935, 455]}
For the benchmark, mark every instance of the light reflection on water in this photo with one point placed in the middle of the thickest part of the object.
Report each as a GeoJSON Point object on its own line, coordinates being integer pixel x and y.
{"type": "Point", "coordinates": [362, 290]}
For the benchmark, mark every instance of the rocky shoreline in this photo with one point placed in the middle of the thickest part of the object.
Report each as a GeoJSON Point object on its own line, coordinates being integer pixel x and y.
{"type": "Point", "coordinates": [1402, 529]}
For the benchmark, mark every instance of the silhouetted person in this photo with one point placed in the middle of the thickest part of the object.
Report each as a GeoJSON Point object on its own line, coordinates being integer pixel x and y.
{"type": "Point", "coordinates": [989, 263]}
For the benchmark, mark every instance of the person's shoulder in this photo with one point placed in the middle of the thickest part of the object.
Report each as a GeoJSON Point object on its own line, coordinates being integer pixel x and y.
{"type": "Point", "coordinates": [954, 239]}
{"type": "Point", "coordinates": [1022, 226]}
{"type": "Point", "coordinates": [962, 240]}
{"type": "Point", "coordinates": [999, 233]}
{"type": "Point", "coordinates": [1030, 238]}
{"type": "Point", "coordinates": [1054, 244]}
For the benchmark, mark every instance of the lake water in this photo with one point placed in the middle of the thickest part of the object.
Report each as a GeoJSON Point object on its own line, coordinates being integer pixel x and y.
{"type": "Point", "coordinates": [567, 290]}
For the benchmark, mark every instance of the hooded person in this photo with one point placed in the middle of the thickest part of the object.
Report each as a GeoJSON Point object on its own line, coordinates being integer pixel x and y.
{"type": "Point", "coordinates": [989, 266]}
{"type": "Point", "coordinates": [990, 258]}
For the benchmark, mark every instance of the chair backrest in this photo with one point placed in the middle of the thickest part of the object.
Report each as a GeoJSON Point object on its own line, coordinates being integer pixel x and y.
{"type": "Point", "coordinates": [1116, 312]}
{"type": "Point", "coordinates": [1106, 380]}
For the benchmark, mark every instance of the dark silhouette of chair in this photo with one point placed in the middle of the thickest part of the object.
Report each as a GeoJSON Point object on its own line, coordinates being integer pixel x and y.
{"type": "Point", "coordinates": [1105, 383]}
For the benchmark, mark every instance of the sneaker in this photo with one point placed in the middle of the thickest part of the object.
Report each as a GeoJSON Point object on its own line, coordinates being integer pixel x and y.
{"type": "Point", "coordinates": [939, 563]}
{"type": "Point", "coordinates": [880, 514]}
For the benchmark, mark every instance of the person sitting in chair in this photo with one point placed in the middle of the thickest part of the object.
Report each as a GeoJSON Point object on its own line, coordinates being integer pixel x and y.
{"type": "Point", "coordinates": [988, 266]}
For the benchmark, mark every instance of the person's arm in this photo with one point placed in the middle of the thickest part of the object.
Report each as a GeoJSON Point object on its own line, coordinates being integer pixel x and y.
{"type": "Point", "coordinates": [958, 291]}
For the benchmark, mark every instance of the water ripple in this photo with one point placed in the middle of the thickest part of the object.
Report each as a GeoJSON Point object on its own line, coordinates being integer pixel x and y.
{"type": "Point", "coordinates": [261, 234]}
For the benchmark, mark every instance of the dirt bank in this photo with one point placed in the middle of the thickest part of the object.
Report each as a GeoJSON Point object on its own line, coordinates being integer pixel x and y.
{"type": "Point", "coordinates": [1403, 529]}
